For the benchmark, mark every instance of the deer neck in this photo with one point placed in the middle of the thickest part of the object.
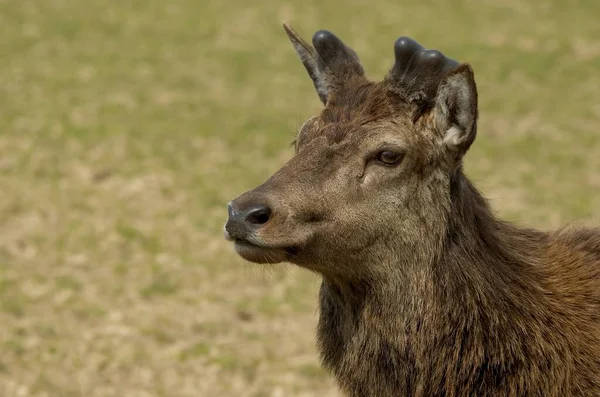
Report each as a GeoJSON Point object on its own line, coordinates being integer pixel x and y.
{"type": "Point", "coordinates": [480, 284]}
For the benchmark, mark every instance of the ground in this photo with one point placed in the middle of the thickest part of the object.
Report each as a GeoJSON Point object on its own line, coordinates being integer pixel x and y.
{"type": "Point", "coordinates": [128, 125]}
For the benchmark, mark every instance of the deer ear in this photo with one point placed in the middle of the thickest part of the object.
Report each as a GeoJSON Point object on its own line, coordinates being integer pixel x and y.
{"type": "Point", "coordinates": [455, 109]}
{"type": "Point", "coordinates": [329, 63]}
{"type": "Point", "coordinates": [309, 58]}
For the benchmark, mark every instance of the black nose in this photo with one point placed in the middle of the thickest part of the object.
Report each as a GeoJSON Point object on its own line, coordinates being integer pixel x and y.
{"type": "Point", "coordinates": [258, 215]}
{"type": "Point", "coordinates": [243, 222]}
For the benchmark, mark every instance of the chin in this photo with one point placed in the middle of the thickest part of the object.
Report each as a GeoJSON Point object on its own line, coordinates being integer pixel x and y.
{"type": "Point", "coordinates": [258, 254]}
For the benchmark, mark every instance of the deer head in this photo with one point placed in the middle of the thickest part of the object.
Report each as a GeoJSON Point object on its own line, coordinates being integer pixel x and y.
{"type": "Point", "coordinates": [369, 189]}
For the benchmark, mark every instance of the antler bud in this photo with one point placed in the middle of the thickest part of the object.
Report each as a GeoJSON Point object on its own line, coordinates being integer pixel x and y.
{"type": "Point", "coordinates": [417, 71]}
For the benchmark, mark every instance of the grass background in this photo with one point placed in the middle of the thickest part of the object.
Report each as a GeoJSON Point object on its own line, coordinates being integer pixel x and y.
{"type": "Point", "coordinates": [126, 127]}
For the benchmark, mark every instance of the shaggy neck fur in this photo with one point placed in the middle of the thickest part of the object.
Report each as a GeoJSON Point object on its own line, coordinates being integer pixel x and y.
{"type": "Point", "coordinates": [478, 318]}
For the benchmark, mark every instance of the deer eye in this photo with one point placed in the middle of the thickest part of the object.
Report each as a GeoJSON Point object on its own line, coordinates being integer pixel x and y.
{"type": "Point", "coordinates": [388, 157]}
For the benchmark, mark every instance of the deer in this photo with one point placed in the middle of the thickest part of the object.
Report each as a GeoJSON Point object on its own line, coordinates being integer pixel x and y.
{"type": "Point", "coordinates": [424, 291]}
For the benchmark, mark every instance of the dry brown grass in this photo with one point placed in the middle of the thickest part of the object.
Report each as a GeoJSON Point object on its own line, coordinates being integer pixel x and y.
{"type": "Point", "coordinates": [127, 126]}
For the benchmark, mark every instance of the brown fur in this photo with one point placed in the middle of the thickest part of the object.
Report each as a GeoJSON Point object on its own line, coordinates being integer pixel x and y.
{"type": "Point", "coordinates": [425, 292]}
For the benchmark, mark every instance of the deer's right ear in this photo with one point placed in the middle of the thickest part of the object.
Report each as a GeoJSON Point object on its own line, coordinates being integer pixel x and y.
{"type": "Point", "coordinates": [329, 63]}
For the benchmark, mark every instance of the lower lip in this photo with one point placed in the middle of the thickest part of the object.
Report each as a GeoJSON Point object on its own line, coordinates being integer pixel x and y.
{"type": "Point", "coordinates": [255, 253]}
{"type": "Point", "coordinates": [244, 243]}
{"type": "Point", "coordinates": [242, 246]}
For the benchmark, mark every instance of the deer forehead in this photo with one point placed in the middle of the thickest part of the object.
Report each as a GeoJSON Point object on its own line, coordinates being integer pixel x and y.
{"type": "Point", "coordinates": [365, 134]}
{"type": "Point", "coordinates": [353, 114]}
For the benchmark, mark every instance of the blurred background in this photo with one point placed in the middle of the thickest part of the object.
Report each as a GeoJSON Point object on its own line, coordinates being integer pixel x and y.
{"type": "Point", "coordinates": [126, 127]}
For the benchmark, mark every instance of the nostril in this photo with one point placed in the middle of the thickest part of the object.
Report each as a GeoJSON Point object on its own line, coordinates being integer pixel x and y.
{"type": "Point", "coordinates": [258, 215]}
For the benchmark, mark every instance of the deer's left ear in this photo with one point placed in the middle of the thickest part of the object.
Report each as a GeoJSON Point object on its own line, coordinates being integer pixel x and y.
{"type": "Point", "coordinates": [455, 110]}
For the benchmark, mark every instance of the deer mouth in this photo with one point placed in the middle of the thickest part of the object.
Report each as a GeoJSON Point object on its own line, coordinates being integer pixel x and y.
{"type": "Point", "coordinates": [255, 249]}
{"type": "Point", "coordinates": [258, 252]}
